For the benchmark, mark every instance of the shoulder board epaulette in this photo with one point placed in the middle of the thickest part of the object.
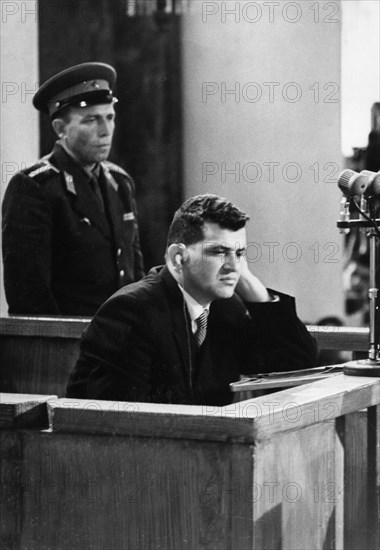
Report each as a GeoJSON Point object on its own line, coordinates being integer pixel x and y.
{"type": "Point", "coordinates": [114, 168]}
{"type": "Point", "coordinates": [43, 166]}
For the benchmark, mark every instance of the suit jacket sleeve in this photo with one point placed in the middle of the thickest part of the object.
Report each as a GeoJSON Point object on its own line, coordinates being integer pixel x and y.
{"type": "Point", "coordinates": [27, 234]}
{"type": "Point", "coordinates": [116, 354]}
{"type": "Point", "coordinates": [275, 339]}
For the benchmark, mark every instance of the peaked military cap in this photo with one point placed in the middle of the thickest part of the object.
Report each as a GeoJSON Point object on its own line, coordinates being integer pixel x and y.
{"type": "Point", "coordinates": [79, 86]}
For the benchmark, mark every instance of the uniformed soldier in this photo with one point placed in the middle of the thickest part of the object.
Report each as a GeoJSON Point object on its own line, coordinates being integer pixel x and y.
{"type": "Point", "coordinates": [70, 234]}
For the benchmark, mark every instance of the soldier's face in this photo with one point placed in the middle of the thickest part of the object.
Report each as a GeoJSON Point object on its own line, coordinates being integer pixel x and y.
{"type": "Point", "coordinates": [88, 132]}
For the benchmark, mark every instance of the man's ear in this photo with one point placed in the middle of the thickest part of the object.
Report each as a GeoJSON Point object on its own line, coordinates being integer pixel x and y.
{"type": "Point", "coordinates": [177, 255]}
{"type": "Point", "coordinates": [59, 127]}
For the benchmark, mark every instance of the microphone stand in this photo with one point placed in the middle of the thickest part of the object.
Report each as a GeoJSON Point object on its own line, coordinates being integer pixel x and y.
{"type": "Point", "coordinates": [371, 365]}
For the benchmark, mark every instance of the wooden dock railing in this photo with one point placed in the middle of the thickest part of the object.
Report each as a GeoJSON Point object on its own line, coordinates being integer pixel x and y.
{"type": "Point", "coordinates": [297, 469]}
{"type": "Point", "coordinates": [37, 354]}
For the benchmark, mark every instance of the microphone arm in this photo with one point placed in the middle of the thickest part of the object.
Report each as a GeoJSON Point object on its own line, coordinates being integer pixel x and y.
{"type": "Point", "coordinates": [367, 185]}
{"type": "Point", "coordinates": [373, 352]}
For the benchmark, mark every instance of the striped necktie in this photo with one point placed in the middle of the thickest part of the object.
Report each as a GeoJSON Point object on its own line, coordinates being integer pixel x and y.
{"type": "Point", "coordinates": [201, 321]}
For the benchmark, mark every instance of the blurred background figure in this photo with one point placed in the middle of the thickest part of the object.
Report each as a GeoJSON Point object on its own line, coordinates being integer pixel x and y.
{"type": "Point", "coordinates": [332, 357]}
{"type": "Point", "coordinates": [356, 248]}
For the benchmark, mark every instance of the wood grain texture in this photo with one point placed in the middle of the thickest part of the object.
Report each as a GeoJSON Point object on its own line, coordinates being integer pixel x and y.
{"type": "Point", "coordinates": [321, 401]}
{"type": "Point", "coordinates": [11, 502]}
{"type": "Point", "coordinates": [327, 337]}
{"type": "Point", "coordinates": [373, 477]}
{"type": "Point", "coordinates": [117, 492]}
{"type": "Point", "coordinates": [47, 327]}
{"type": "Point", "coordinates": [248, 421]}
{"type": "Point", "coordinates": [149, 420]}
{"type": "Point", "coordinates": [169, 477]}
{"type": "Point", "coordinates": [355, 440]}
{"type": "Point", "coordinates": [299, 495]}
{"type": "Point", "coordinates": [21, 410]}
{"type": "Point", "coordinates": [35, 364]}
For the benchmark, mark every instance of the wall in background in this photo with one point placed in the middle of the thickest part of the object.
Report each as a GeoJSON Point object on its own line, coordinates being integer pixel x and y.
{"type": "Point", "coordinates": [19, 146]}
{"type": "Point", "coordinates": [262, 100]}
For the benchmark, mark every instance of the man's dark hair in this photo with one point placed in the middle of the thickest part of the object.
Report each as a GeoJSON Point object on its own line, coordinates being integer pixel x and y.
{"type": "Point", "coordinates": [188, 221]}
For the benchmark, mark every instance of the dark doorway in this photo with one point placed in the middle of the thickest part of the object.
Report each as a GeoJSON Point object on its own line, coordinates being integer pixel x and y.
{"type": "Point", "coordinates": [145, 50]}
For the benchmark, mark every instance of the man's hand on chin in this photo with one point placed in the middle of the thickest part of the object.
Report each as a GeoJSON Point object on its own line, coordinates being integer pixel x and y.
{"type": "Point", "coordinates": [249, 287]}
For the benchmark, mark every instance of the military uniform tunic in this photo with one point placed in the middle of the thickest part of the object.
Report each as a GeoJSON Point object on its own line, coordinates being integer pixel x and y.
{"type": "Point", "coordinates": [64, 252]}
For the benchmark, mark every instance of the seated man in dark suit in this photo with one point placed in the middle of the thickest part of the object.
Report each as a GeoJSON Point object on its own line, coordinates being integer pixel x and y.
{"type": "Point", "coordinates": [187, 330]}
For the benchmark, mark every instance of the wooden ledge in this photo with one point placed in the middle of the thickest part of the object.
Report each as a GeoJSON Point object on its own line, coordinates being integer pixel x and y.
{"type": "Point", "coordinates": [247, 421]}
{"type": "Point", "coordinates": [47, 327]}
{"type": "Point", "coordinates": [18, 410]}
{"type": "Point", "coordinates": [327, 337]}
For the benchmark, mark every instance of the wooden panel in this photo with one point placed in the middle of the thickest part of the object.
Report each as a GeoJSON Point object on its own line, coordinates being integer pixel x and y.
{"type": "Point", "coordinates": [81, 416]}
{"type": "Point", "coordinates": [182, 477]}
{"type": "Point", "coordinates": [355, 440]}
{"type": "Point", "coordinates": [298, 481]}
{"type": "Point", "coordinates": [109, 492]}
{"type": "Point", "coordinates": [37, 354]}
{"type": "Point", "coordinates": [48, 327]}
{"type": "Point", "coordinates": [11, 489]}
{"type": "Point", "coordinates": [374, 478]}
{"type": "Point", "coordinates": [361, 436]}
{"type": "Point", "coordinates": [240, 493]}
{"type": "Point", "coordinates": [16, 411]}
{"type": "Point", "coordinates": [246, 421]}
{"type": "Point", "coordinates": [327, 337]}
{"type": "Point", "coordinates": [20, 410]}
{"type": "Point", "coordinates": [37, 364]}
{"type": "Point", "coordinates": [321, 401]}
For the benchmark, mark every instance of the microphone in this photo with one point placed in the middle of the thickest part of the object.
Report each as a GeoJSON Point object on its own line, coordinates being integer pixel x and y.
{"type": "Point", "coordinates": [353, 183]}
{"type": "Point", "coordinates": [374, 182]}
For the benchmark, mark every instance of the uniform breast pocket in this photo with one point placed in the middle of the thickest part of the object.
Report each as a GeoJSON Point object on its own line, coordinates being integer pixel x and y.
{"type": "Point", "coordinates": [77, 234]}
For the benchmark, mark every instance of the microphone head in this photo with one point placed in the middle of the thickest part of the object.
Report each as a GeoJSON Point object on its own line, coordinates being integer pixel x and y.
{"type": "Point", "coordinates": [352, 183]}
{"type": "Point", "coordinates": [374, 182]}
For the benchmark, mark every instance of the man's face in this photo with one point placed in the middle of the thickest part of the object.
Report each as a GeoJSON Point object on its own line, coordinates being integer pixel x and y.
{"type": "Point", "coordinates": [212, 267]}
{"type": "Point", "coordinates": [88, 132]}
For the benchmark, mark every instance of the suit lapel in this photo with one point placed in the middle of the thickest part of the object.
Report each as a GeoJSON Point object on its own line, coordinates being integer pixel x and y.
{"type": "Point", "coordinates": [181, 325]}
{"type": "Point", "coordinates": [78, 185]}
